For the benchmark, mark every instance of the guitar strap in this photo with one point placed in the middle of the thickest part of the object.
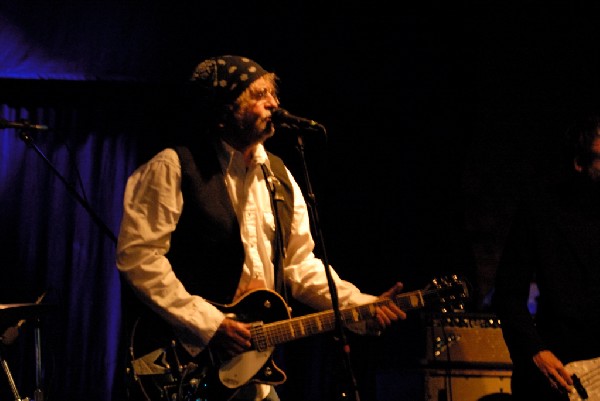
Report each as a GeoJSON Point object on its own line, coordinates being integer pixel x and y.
{"type": "Point", "coordinates": [276, 195]}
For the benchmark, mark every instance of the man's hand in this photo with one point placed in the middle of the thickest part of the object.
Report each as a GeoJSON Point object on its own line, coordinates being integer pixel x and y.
{"type": "Point", "coordinates": [232, 338]}
{"type": "Point", "coordinates": [389, 313]}
{"type": "Point", "coordinates": [554, 370]}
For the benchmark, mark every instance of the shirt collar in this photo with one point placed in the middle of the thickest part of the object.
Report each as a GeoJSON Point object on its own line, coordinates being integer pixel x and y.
{"type": "Point", "coordinates": [229, 156]}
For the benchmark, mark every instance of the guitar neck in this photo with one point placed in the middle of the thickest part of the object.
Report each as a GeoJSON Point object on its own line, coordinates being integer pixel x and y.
{"type": "Point", "coordinates": [321, 322]}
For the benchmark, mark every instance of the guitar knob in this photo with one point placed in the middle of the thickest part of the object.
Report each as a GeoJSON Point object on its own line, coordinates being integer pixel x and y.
{"type": "Point", "coordinates": [268, 372]}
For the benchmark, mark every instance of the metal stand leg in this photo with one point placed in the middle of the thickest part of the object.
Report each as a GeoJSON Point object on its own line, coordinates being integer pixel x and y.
{"type": "Point", "coordinates": [11, 382]}
{"type": "Point", "coordinates": [38, 394]}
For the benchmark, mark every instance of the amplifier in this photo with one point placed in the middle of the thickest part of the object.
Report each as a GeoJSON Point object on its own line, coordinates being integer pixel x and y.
{"type": "Point", "coordinates": [466, 339]}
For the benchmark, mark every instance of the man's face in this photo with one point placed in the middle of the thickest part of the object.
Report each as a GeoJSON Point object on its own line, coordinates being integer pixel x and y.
{"type": "Point", "coordinates": [253, 116]}
{"type": "Point", "coordinates": [593, 170]}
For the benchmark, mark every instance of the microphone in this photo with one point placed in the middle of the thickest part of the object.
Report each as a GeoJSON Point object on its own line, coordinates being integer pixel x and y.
{"type": "Point", "coordinates": [284, 119]}
{"type": "Point", "coordinates": [24, 125]}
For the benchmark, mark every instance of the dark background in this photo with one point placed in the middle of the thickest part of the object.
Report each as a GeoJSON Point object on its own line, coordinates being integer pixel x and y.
{"type": "Point", "coordinates": [435, 120]}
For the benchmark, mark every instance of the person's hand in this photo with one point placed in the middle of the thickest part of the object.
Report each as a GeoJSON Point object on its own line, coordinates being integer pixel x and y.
{"type": "Point", "coordinates": [390, 312]}
{"type": "Point", "coordinates": [231, 338]}
{"type": "Point", "coordinates": [554, 370]}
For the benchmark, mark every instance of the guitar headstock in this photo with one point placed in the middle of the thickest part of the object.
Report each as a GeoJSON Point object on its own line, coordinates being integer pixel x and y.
{"type": "Point", "coordinates": [448, 293]}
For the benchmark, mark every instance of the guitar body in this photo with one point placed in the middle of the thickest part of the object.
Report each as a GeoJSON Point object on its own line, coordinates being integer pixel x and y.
{"type": "Point", "coordinates": [161, 369]}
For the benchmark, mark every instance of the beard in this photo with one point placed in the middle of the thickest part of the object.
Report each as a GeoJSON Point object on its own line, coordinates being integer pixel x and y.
{"type": "Point", "coordinates": [252, 131]}
{"type": "Point", "coordinates": [258, 130]}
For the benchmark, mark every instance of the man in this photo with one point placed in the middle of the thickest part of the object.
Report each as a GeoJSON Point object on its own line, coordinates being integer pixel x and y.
{"type": "Point", "coordinates": [200, 228]}
{"type": "Point", "coordinates": [555, 242]}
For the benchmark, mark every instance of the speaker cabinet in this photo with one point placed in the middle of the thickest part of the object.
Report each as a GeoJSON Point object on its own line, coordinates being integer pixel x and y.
{"type": "Point", "coordinates": [473, 385]}
{"type": "Point", "coordinates": [444, 385]}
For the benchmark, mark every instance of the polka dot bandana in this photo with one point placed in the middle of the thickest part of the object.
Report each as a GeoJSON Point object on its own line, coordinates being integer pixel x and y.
{"type": "Point", "coordinates": [227, 76]}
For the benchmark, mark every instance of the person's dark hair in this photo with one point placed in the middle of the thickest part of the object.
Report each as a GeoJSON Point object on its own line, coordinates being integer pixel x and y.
{"type": "Point", "coordinates": [580, 137]}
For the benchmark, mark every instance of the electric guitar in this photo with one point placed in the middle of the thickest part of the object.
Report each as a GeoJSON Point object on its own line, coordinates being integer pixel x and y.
{"type": "Point", "coordinates": [162, 370]}
{"type": "Point", "coordinates": [586, 378]}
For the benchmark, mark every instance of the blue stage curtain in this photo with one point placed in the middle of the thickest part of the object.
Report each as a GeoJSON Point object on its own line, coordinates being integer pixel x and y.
{"type": "Point", "coordinates": [50, 244]}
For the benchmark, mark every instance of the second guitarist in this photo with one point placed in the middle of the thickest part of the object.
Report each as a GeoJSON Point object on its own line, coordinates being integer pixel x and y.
{"type": "Point", "coordinates": [201, 222]}
{"type": "Point", "coordinates": [555, 242]}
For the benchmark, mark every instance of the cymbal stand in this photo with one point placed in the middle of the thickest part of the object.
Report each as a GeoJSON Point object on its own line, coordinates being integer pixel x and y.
{"type": "Point", "coordinates": [7, 338]}
{"type": "Point", "coordinates": [11, 381]}
{"type": "Point", "coordinates": [38, 394]}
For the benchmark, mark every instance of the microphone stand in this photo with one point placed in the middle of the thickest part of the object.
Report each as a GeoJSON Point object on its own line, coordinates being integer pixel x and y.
{"type": "Point", "coordinates": [29, 142]}
{"type": "Point", "coordinates": [23, 134]}
{"type": "Point", "coordinates": [339, 326]}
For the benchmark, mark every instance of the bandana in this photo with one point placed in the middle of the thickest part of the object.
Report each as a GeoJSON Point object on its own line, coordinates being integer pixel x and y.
{"type": "Point", "coordinates": [227, 76]}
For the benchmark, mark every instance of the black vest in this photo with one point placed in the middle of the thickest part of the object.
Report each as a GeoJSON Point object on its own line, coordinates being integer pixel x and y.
{"type": "Point", "coordinates": [206, 248]}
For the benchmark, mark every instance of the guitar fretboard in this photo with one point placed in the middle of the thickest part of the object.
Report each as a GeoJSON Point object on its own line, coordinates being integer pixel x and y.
{"type": "Point", "coordinates": [280, 332]}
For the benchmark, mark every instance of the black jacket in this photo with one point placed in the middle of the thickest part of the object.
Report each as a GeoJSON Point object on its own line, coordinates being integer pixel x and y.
{"type": "Point", "coordinates": [554, 242]}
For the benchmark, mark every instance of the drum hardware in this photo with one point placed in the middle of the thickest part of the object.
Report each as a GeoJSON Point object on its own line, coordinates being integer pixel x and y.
{"type": "Point", "coordinates": [12, 318]}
